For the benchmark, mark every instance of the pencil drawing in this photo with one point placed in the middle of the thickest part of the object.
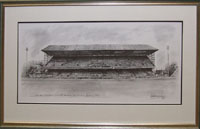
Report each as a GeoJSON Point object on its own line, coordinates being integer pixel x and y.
{"type": "Point", "coordinates": [100, 62]}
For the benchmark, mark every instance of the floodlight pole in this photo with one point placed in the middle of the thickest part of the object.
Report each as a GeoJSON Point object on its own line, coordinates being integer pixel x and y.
{"type": "Point", "coordinates": [26, 61]}
{"type": "Point", "coordinates": [168, 58]}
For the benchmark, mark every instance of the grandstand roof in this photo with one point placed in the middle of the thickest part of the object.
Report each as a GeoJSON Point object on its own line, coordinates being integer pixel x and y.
{"type": "Point", "coordinates": [100, 50]}
{"type": "Point", "coordinates": [99, 47]}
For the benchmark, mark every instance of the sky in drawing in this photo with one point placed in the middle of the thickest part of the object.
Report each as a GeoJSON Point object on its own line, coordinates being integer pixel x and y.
{"type": "Point", "coordinates": [36, 36]}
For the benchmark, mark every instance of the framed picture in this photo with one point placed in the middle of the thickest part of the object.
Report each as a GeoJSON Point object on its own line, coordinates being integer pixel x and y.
{"type": "Point", "coordinates": [88, 64]}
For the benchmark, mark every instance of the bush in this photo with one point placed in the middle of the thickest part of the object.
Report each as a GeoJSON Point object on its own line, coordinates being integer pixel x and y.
{"type": "Point", "coordinates": [171, 68]}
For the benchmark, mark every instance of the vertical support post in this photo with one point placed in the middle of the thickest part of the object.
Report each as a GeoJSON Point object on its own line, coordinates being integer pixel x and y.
{"type": "Point", "coordinates": [168, 58]}
{"type": "Point", "coordinates": [26, 62]}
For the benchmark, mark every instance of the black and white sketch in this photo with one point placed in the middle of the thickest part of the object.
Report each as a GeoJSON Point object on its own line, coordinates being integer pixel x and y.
{"type": "Point", "coordinates": [100, 62]}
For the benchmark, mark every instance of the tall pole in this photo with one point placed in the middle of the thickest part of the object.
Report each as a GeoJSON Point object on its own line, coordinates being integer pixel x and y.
{"type": "Point", "coordinates": [168, 58]}
{"type": "Point", "coordinates": [26, 61]}
{"type": "Point", "coordinates": [44, 59]}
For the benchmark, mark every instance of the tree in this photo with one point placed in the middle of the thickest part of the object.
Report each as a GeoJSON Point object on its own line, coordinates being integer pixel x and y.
{"type": "Point", "coordinates": [171, 68]}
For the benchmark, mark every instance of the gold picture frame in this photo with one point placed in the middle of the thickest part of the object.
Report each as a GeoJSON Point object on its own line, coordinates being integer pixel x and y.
{"type": "Point", "coordinates": [97, 122]}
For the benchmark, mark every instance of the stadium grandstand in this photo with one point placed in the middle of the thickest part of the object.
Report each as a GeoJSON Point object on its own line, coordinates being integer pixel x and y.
{"type": "Point", "coordinates": [100, 61]}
